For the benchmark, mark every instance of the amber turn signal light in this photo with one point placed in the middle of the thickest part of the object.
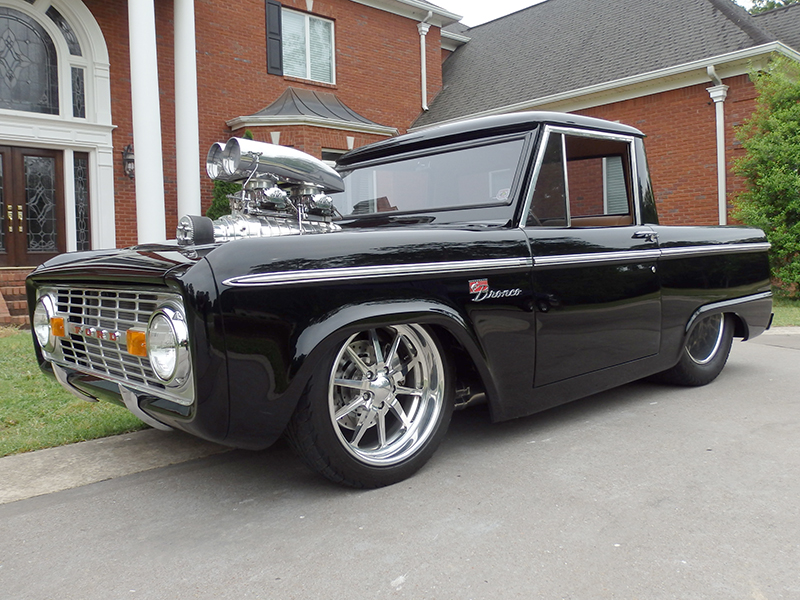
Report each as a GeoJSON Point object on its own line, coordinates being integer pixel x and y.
{"type": "Point", "coordinates": [57, 327]}
{"type": "Point", "coordinates": [137, 342]}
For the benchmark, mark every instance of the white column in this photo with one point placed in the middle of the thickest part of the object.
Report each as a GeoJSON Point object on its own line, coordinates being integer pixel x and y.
{"type": "Point", "coordinates": [187, 133]}
{"type": "Point", "coordinates": [423, 29]}
{"type": "Point", "coordinates": [718, 94]}
{"type": "Point", "coordinates": [150, 217]}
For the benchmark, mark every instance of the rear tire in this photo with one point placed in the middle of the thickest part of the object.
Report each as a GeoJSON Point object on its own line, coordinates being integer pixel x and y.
{"type": "Point", "coordinates": [376, 408]}
{"type": "Point", "coordinates": [704, 354]}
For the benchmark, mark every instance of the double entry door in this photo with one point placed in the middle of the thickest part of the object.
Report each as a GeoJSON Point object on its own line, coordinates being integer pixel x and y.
{"type": "Point", "coordinates": [32, 206]}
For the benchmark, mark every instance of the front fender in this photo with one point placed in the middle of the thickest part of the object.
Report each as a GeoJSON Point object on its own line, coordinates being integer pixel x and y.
{"type": "Point", "coordinates": [266, 387]}
{"type": "Point", "coordinates": [315, 341]}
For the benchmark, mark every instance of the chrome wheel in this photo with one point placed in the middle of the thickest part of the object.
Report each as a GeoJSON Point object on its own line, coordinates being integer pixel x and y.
{"type": "Point", "coordinates": [706, 339]}
{"type": "Point", "coordinates": [704, 352]}
{"type": "Point", "coordinates": [386, 393]}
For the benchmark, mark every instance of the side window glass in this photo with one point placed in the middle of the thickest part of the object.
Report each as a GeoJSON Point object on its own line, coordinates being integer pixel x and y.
{"type": "Point", "coordinates": [598, 175]}
{"type": "Point", "coordinates": [549, 202]}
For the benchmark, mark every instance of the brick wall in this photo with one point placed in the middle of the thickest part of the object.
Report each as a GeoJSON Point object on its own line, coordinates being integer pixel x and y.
{"type": "Point", "coordinates": [681, 146]}
{"type": "Point", "coordinates": [585, 179]}
{"type": "Point", "coordinates": [377, 75]}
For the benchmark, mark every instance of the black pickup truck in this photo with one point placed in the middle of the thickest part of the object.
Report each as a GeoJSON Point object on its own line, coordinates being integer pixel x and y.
{"type": "Point", "coordinates": [515, 260]}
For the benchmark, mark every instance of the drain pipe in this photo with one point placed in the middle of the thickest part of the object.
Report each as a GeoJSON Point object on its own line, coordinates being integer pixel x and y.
{"type": "Point", "coordinates": [719, 93]}
{"type": "Point", "coordinates": [423, 28]}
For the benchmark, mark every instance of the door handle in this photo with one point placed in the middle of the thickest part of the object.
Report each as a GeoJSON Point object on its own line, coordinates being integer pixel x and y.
{"type": "Point", "coordinates": [19, 217]}
{"type": "Point", "coordinates": [650, 236]}
{"type": "Point", "coordinates": [10, 218]}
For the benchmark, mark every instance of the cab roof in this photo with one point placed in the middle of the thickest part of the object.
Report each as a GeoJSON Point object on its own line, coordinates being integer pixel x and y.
{"type": "Point", "coordinates": [478, 128]}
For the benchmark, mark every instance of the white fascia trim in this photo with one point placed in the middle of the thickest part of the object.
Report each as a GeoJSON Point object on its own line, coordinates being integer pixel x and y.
{"type": "Point", "coordinates": [731, 64]}
{"type": "Point", "coordinates": [451, 41]}
{"type": "Point", "coordinates": [412, 9]}
{"type": "Point", "coordinates": [275, 121]}
{"type": "Point", "coordinates": [52, 131]}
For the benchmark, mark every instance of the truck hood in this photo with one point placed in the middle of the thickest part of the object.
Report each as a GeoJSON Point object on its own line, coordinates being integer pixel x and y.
{"type": "Point", "coordinates": [146, 263]}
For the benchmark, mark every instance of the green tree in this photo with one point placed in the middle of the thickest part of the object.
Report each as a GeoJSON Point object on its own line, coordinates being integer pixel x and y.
{"type": "Point", "coordinates": [771, 168]}
{"type": "Point", "coordinates": [760, 6]}
{"type": "Point", "coordinates": [220, 205]}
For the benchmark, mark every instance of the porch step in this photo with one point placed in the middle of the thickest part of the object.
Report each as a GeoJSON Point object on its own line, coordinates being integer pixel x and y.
{"type": "Point", "coordinates": [13, 302]}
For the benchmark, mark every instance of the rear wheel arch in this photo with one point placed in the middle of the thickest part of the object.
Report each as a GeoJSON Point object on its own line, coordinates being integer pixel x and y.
{"type": "Point", "coordinates": [740, 327]}
{"type": "Point", "coordinates": [704, 350]}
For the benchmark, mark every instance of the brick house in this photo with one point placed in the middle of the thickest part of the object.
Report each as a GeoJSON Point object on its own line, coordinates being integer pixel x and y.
{"type": "Point", "coordinates": [325, 76]}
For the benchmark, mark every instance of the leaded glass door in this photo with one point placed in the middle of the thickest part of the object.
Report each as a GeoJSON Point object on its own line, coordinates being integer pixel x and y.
{"type": "Point", "coordinates": [32, 203]}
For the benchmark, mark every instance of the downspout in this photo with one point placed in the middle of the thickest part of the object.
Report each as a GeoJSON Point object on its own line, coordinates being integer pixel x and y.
{"type": "Point", "coordinates": [423, 28]}
{"type": "Point", "coordinates": [718, 93]}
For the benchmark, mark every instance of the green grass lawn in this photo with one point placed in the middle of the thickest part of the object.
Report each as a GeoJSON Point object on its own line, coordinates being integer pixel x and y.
{"type": "Point", "coordinates": [787, 312]}
{"type": "Point", "coordinates": [36, 412]}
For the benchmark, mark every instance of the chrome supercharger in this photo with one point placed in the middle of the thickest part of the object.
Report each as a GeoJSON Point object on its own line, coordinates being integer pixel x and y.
{"type": "Point", "coordinates": [284, 192]}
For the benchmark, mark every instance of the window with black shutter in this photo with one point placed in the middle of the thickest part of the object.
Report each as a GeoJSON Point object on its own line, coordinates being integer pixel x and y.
{"type": "Point", "coordinates": [274, 35]}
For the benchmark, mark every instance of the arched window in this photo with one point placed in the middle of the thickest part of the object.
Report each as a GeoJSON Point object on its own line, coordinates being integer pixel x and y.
{"type": "Point", "coordinates": [28, 65]}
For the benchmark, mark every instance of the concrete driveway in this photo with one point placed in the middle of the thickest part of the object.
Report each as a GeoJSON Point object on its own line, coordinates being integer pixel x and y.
{"type": "Point", "coordinates": [644, 492]}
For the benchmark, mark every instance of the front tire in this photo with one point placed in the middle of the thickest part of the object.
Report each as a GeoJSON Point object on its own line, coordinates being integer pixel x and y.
{"type": "Point", "coordinates": [376, 409]}
{"type": "Point", "coordinates": [704, 354]}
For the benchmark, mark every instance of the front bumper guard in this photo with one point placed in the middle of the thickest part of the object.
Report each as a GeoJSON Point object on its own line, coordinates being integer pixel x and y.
{"type": "Point", "coordinates": [128, 396]}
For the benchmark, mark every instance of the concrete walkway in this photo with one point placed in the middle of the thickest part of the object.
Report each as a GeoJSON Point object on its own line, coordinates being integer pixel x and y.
{"type": "Point", "coordinates": [55, 469]}
{"type": "Point", "coordinates": [46, 471]}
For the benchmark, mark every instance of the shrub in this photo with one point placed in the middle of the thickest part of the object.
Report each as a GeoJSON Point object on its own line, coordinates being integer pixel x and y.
{"type": "Point", "coordinates": [771, 167]}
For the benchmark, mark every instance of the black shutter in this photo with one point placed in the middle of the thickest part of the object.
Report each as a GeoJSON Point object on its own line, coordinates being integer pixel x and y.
{"type": "Point", "coordinates": [274, 49]}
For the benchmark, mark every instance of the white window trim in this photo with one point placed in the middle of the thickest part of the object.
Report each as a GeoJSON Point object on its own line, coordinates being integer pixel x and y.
{"type": "Point", "coordinates": [307, 20]}
{"type": "Point", "coordinates": [332, 163]}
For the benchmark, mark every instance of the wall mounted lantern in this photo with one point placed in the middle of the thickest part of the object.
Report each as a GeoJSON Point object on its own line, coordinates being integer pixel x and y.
{"type": "Point", "coordinates": [128, 161]}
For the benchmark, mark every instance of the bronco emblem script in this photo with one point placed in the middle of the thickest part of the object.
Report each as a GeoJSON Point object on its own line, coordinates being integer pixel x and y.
{"type": "Point", "coordinates": [480, 287]}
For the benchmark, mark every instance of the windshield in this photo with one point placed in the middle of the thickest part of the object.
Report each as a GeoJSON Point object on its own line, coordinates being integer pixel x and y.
{"type": "Point", "coordinates": [474, 176]}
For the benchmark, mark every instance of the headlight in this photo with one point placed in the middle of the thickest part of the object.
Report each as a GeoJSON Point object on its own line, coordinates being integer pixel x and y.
{"type": "Point", "coordinates": [168, 345]}
{"type": "Point", "coordinates": [45, 310]}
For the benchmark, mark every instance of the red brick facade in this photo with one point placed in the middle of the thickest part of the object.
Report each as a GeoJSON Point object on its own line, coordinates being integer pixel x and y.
{"type": "Point", "coordinates": [377, 75]}
{"type": "Point", "coordinates": [681, 145]}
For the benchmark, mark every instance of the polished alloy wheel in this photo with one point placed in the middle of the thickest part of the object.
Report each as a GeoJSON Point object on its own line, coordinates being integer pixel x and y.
{"type": "Point", "coordinates": [386, 393]}
{"type": "Point", "coordinates": [705, 340]}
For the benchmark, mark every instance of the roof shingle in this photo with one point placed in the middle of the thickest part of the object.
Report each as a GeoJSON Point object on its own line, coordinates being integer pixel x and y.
{"type": "Point", "coordinates": [562, 45]}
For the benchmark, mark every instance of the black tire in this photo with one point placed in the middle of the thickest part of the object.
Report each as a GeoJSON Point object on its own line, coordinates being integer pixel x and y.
{"type": "Point", "coordinates": [704, 354]}
{"type": "Point", "coordinates": [376, 408]}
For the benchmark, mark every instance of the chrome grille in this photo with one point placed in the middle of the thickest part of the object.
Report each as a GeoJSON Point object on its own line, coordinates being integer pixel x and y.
{"type": "Point", "coordinates": [96, 340]}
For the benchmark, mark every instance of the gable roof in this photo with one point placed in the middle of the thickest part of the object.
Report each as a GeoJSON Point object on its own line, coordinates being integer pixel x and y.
{"type": "Point", "coordinates": [562, 45]}
{"type": "Point", "coordinates": [784, 23]}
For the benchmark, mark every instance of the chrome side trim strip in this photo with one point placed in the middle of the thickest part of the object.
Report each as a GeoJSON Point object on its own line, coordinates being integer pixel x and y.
{"type": "Point", "coordinates": [379, 271]}
{"type": "Point", "coordinates": [466, 266]}
{"type": "Point", "coordinates": [653, 254]}
{"type": "Point", "coordinates": [714, 249]}
{"type": "Point", "coordinates": [596, 257]}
